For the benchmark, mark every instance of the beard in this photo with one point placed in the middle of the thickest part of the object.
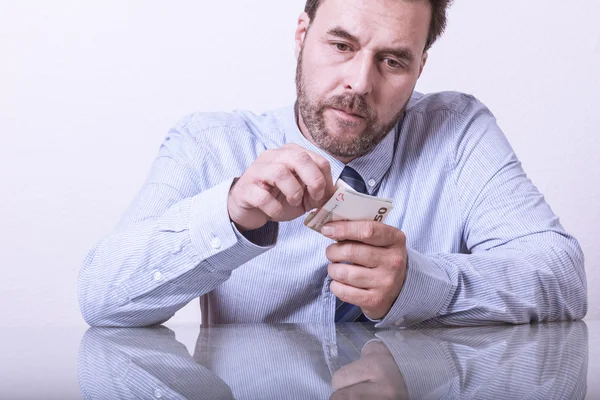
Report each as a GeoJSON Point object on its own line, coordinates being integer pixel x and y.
{"type": "Point", "coordinates": [343, 142]}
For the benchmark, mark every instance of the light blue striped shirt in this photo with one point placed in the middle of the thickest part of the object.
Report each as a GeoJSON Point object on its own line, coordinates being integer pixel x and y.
{"type": "Point", "coordinates": [483, 245]}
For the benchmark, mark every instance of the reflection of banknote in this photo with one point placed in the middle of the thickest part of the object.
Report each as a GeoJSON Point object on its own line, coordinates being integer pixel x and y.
{"type": "Point", "coordinates": [347, 204]}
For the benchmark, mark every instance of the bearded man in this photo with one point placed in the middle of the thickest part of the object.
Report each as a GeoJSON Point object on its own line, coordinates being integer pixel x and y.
{"type": "Point", "coordinates": [470, 239]}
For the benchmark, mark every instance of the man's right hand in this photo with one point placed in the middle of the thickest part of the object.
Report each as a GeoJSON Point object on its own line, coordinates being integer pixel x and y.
{"type": "Point", "coordinates": [281, 185]}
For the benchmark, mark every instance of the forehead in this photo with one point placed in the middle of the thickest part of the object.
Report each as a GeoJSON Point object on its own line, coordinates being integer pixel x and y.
{"type": "Point", "coordinates": [377, 22]}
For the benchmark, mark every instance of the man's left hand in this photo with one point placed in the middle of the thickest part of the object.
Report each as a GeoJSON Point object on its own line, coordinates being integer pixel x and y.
{"type": "Point", "coordinates": [377, 253]}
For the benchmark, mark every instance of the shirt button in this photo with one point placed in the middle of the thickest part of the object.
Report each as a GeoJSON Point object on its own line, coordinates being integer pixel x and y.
{"type": "Point", "coordinates": [158, 276]}
{"type": "Point", "coordinates": [399, 322]}
{"type": "Point", "coordinates": [215, 243]}
{"type": "Point", "coordinates": [158, 393]}
{"type": "Point", "coordinates": [372, 182]}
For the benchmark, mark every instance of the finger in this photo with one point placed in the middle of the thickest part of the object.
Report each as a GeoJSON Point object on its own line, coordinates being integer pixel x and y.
{"type": "Point", "coordinates": [375, 348]}
{"type": "Point", "coordinates": [350, 294]}
{"type": "Point", "coordinates": [368, 232]}
{"type": "Point", "coordinates": [351, 374]}
{"type": "Point", "coordinates": [363, 390]}
{"type": "Point", "coordinates": [353, 275]}
{"type": "Point", "coordinates": [356, 253]}
{"type": "Point", "coordinates": [313, 170]}
{"type": "Point", "coordinates": [263, 200]}
{"type": "Point", "coordinates": [281, 177]}
{"type": "Point", "coordinates": [325, 168]}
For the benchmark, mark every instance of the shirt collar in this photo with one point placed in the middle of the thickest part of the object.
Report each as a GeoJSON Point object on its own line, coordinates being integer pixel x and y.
{"type": "Point", "coordinates": [372, 167]}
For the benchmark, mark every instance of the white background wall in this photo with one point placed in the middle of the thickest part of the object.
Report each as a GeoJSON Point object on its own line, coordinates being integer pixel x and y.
{"type": "Point", "coordinates": [89, 89]}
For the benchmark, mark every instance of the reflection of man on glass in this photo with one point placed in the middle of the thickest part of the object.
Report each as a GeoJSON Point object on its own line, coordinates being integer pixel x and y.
{"type": "Point", "coordinates": [470, 239]}
{"type": "Point", "coordinates": [262, 361]}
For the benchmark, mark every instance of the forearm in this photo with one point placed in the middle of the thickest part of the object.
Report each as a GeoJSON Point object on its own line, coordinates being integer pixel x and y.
{"type": "Point", "coordinates": [142, 273]}
{"type": "Point", "coordinates": [536, 278]}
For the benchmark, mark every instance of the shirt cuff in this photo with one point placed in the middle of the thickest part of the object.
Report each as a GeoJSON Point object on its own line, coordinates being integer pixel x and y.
{"type": "Point", "coordinates": [423, 296]}
{"type": "Point", "coordinates": [215, 237]}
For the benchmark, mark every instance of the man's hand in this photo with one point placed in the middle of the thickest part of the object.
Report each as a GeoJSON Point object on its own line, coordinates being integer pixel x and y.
{"type": "Point", "coordinates": [378, 255]}
{"type": "Point", "coordinates": [281, 185]}
{"type": "Point", "coordinates": [374, 376]}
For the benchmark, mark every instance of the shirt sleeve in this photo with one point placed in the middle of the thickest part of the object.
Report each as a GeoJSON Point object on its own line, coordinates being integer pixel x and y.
{"type": "Point", "coordinates": [518, 265]}
{"type": "Point", "coordinates": [174, 244]}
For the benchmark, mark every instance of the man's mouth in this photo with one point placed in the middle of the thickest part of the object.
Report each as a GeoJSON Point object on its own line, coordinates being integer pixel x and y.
{"type": "Point", "coordinates": [348, 114]}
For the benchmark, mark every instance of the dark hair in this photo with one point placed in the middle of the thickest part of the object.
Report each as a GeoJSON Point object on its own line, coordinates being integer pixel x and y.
{"type": "Point", "coordinates": [436, 26]}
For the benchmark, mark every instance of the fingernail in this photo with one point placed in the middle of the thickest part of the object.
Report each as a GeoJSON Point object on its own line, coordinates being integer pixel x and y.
{"type": "Point", "coordinates": [320, 195]}
{"type": "Point", "coordinates": [328, 230]}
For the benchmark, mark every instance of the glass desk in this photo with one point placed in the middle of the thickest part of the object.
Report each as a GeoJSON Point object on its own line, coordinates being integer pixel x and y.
{"type": "Point", "coordinates": [343, 361]}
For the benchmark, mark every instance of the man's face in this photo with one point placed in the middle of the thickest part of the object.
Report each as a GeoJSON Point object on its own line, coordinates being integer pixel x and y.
{"type": "Point", "coordinates": [358, 64]}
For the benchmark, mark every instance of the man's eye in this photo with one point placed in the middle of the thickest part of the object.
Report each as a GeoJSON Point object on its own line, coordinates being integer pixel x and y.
{"type": "Point", "coordinates": [342, 47]}
{"type": "Point", "coordinates": [393, 63]}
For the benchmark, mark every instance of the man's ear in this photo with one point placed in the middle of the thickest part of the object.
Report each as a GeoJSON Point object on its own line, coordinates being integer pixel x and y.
{"type": "Point", "coordinates": [423, 62]}
{"type": "Point", "coordinates": [301, 30]}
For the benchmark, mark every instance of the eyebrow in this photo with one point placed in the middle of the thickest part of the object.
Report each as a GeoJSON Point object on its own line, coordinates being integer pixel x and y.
{"type": "Point", "coordinates": [400, 53]}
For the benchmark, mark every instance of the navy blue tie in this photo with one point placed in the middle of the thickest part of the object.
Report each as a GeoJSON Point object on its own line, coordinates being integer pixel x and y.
{"type": "Point", "coordinates": [346, 312]}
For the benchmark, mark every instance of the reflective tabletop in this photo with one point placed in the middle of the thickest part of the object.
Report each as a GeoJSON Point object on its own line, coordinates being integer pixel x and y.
{"type": "Point", "coordinates": [341, 361]}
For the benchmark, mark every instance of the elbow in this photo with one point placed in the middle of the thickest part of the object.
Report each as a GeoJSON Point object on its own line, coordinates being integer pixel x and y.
{"type": "Point", "coordinates": [96, 309]}
{"type": "Point", "coordinates": [105, 305]}
{"type": "Point", "coordinates": [572, 284]}
{"type": "Point", "coordinates": [575, 290]}
{"type": "Point", "coordinates": [110, 315]}
{"type": "Point", "coordinates": [576, 298]}
{"type": "Point", "coordinates": [104, 309]}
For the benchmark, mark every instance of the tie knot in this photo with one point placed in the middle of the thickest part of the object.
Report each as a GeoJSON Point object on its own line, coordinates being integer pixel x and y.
{"type": "Point", "coordinates": [353, 178]}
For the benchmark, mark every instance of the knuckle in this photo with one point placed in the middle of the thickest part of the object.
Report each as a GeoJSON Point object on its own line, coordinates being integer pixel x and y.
{"type": "Point", "coordinates": [266, 156]}
{"type": "Point", "coordinates": [371, 301]}
{"type": "Point", "coordinates": [276, 211]}
{"type": "Point", "coordinates": [341, 273]}
{"type": "Point", "coordinates": [330, 270]}
{"type": "Point", "coordinates": [262, 199]}
{"type": "Point", "coordinates": [298, 193]}
{"type": "Point", "coordinates": [322, 163]}
{"type": "Point", "coordinates": [319, 181]}
{"type": "Point", "coordinates": [280, 171]}
{"type": "Point", "coordinates": [401, 236]}
{"type": "Point", "coordinates": [302, 157]}
{"type": "Point", "coordinates": [396, 260]}
{"type": "Point", "coordinates": [367, 230]}
{"type": "Point", "coordinates": [388, 282]}
{"type": "Point", "coordinates": [378, 301]}
{"type": "Point", "coordinates": [351, 251]}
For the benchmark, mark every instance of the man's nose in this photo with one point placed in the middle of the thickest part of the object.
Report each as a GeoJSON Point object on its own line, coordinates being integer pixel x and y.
{"type": "Point", "coordinates": [359, 78]}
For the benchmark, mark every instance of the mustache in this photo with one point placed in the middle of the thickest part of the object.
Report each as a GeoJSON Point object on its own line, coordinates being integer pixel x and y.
{"type": "Point", "coordinates": [354, 103]}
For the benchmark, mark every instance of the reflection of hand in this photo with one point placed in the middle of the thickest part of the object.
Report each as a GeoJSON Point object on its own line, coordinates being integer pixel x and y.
{"type": "Point", "coordinates": [374, 376]}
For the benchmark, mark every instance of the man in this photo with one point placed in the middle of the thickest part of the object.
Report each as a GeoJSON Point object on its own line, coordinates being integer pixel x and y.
{"type": "Point", "coordinates": [470, 240]}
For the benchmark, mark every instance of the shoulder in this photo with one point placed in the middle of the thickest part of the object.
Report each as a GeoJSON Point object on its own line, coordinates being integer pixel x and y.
{"type": "Point", "coordinates": [210, 125]}
{"type": "Point", "coordinates": [448, 117]}
{"type": "Point", "coordinates": [456, 103]}
{"type": "Point", "coordinates": [237, 136]}
{"type": "Point", "coordinates": [452, 123]}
